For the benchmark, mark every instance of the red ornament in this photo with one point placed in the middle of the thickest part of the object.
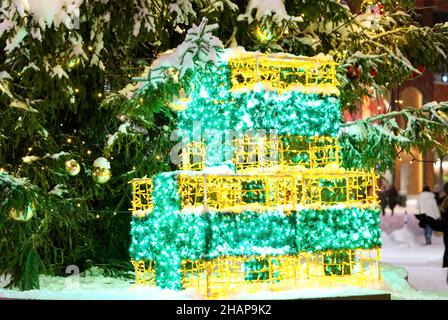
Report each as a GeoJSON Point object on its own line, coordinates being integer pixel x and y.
{"type": "Point", "coordinates": [373, 72]}
{"type": "Point", "coordinates": [377, 9]}
{"type": "Point", "coordinates": [416, 74]}
{"type": "Point", "coordinates": [352, 73]}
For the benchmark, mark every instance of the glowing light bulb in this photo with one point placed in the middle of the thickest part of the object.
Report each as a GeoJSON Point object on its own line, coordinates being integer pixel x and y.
{"type": "Point", "coordinates": [203, 93]}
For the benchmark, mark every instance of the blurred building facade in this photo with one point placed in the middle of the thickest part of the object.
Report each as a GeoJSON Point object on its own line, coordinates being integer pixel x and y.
{"type": "Point", "coordinates": [414, 170]}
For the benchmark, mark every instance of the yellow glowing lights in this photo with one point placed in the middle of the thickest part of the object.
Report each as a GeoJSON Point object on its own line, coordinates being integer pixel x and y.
{"type": "Point", "coordinates": [143, 275]}
{"type": "Point", "coordinates": [233, 193]}
{"type": "Point", "coordinates": [221, 276]}
{"type": "Point", "coordinates": [290, 174]}
{"type": "Point", "coordinates": [282, 72]}
{"type": "Point", "coordinates": [193, 156]}
{"type": "Point", "coordinates": [262, 152]}
{"type": "Point", "coordinates": [141, 191]}
{"type": "Point", "coordinates": [263, 35]}
{"type": "Point", "coordinates": [281, 183]}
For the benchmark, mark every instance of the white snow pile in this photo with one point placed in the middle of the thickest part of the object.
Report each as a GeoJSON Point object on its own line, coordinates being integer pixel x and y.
{"type": "Point", "coordinates": [58, 71]}
{"type": "Point", "coordinates": [182, 10]}
{"type": "Point", "coordinates": [59, 190]}
{"type": "Point", "coordinates": [51, 12]}
{"type": "Point", "coordinates": [112, 138]}
{"type": "Point", "coordinates": [221, 169]}
{"type": "Point", "coordinates": [16, 40]}
{"type": "Point", "coordinates": [199, 48]}
{"type": "Point", "coordinates": [357, 131]}
{"type": "Point", "coordinates": [94, 286]}
{"type": "Point", "coordinates": [394, 280]}
{"type": "Point", "coordinates": [29, 159]}
{"type": "Point", "coordinates": [404, 237]}
{"type": "Point", "coordinates": [264, 8]}
{"type": "Point", "coordinates": [58, 155]}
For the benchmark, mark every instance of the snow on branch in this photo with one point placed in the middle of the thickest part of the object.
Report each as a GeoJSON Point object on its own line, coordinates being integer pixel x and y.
{"type": "Point", "coordinates": [199, 48]}
{"type": "Point", "coordinates": [374, 142]}
{"type": "Point", "coordinates": [263, 9]}
{"type": "Point", "coordinates": [182, 10]}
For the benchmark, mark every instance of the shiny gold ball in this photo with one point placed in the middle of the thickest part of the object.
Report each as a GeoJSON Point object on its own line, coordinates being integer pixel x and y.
{"type": "Point", "coordinates": [72, 167]}
{"type": "Point", "coordinates": [22, 215]}
{"type": "Point", "coordinates": [101, 175]}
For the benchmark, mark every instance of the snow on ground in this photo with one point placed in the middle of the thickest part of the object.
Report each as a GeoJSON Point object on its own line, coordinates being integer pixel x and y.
{"type": "Point", "coordinates": [94, 287]}
{"type": "Point", "coordinates": [404, 245]}
{"type": "Point", "coordinates": [404, 254]}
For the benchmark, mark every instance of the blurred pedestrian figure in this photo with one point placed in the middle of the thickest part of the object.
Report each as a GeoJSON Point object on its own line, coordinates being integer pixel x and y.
{"type": "Point", "coordinates": [426, 203]}
{"type": "Point", "coordinates": [440, 225]}
{"type": "Point", "coordinates": [382, 197]}
{"type": "Point", "coordinates": [437, 194]}
{"type": "Point", "coordinates": [392, 198]}
{"type": "Point", "coordinates": [443, 194]}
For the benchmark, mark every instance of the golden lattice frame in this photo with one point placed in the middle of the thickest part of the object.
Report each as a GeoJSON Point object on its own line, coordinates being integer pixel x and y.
{"type": "Point", "coordinates": [142, 195]}
{"type": "Point", "coordinates": [263, 152]}
{"type": "Point", "coordinates": [262, 192]}
{"type": "Point", "coordinates": [283, 72]}
{"type": "Point", "coordinates": [193, 156]}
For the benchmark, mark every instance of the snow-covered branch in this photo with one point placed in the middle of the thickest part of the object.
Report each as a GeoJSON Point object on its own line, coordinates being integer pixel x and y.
{"type": "Point", "coordinates": [374, 141]}
{"type": "Point", "coordinates": [199, 48]}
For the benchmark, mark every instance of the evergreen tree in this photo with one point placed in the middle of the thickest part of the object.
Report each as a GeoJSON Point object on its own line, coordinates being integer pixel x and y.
{"type": "Point", "coordinates": [68, 72]}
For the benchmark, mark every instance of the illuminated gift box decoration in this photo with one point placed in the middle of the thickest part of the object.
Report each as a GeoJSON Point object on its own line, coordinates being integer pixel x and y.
{"type": "Point", "coordinates": [260, 200]}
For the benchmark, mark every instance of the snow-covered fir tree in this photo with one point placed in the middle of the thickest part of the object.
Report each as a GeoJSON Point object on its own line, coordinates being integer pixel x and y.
{"type": "Point", "coordinates": [68, 71]}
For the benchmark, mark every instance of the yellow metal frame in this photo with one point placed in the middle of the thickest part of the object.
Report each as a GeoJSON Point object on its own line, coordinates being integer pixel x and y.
{"type": "Point", "coordinates": [264, 191]}
{"type": "Point", "coordinates": [285, 191]}
{"type": "Point", "coordinates": [144, 275]}
{"type": "Point", "coordinates": [262, 152]}
{"type": "Point", "coordinates": [255, 152]}
{"type": "Point", "coordinates": [283, 72]}
{"type": "Point", "coordinates": [193, 156]}
{"type": "Point", "coordinates": [142, 195]}
{"type": "Point", "coordinates": [280, 182]}
{"type": "Point", "coordinates": [222, 276]}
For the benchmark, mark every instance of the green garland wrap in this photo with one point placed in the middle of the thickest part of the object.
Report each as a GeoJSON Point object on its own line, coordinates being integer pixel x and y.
{"type": "Point", "coordinates": [215, 107]}
{"type": "Point", "coordinates": [168, 236]}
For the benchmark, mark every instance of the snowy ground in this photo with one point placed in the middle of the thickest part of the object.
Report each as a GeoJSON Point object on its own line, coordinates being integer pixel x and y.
{"type": "Point", "coordinates": [404, 245]}
{"type": "Point", "coordinates": [404, 254]}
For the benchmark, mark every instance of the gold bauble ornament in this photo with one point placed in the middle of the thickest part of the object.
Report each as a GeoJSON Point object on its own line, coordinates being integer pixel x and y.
{"type": "Point", "coordinates": [101, 171]}
{"type": "Point", "coordinates": [22, 215]}
{"type": "Point", "coordinates": [180, 103]}
{"type": "Point", "coordinates": [101, 175]}
{"type": "Point", "coordinates": [72, 167]}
